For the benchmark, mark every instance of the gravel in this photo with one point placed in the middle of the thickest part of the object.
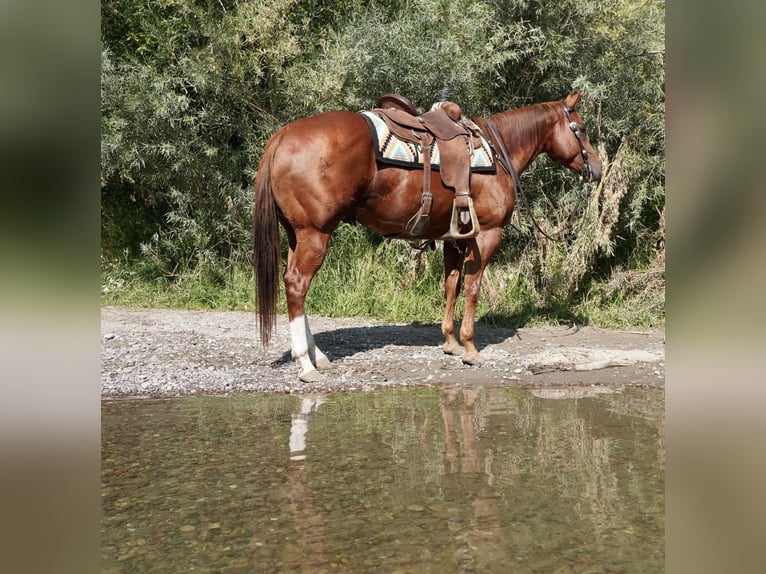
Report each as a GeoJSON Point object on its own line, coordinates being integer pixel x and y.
{"type": "Point", "coordinates": [164, 352]}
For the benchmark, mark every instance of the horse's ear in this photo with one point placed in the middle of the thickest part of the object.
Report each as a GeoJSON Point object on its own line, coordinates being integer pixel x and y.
{"type": "Point", "coordinates": [572, 99]}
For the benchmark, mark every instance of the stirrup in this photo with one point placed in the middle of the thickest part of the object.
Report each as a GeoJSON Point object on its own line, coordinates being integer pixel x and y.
{"type": "Point", "coordinates": [454, 226]}
{"type": "Point", "coordinates": [417, 224]}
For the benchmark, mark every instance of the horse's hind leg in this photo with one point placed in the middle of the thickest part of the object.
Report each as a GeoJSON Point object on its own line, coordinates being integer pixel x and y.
{"type": "Point", "coordinates": [306, 255]}
{"type": "Point", "coordinates": [304, 350]}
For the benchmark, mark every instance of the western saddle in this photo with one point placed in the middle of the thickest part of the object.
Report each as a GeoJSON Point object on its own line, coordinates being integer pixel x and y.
{"type": "Point", "coordinates": [457, 137]}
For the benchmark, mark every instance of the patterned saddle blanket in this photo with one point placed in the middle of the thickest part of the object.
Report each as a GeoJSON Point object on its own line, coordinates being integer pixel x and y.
{"type": "Point", "coordinates": [395, 151]}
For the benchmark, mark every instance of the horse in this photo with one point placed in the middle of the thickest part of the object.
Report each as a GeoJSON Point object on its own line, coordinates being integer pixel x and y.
{"type": "Point", "coordinates": [320, 170]}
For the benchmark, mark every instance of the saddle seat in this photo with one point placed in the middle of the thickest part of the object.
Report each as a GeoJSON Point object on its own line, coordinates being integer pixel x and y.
{"type": "Point", "coordinates": [457, 137]}
{"type": "Point", "coordinates": [396, 101]}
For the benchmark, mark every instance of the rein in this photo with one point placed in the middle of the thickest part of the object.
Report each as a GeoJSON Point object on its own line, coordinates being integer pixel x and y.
{"type": "Point", "coordinates": [505, 161]}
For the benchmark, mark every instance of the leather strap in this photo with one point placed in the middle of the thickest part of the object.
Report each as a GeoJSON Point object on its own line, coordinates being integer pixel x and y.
{"type": "Point", "coordinates": [418, 222]}
{"type": "Point", "coordinates": [508, 165]}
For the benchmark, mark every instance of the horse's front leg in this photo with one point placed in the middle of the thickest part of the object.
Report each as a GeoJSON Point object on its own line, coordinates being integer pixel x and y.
{"type": "Point", "coordinates": [479, 253]}
{"type": "Point", "coordinates": [453, 265]}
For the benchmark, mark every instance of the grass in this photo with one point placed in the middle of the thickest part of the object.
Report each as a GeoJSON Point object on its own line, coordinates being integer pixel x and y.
{"type": "Point", "coordinates": [394, 283]}
{"type": "Point", "coordinates": [125, 285]}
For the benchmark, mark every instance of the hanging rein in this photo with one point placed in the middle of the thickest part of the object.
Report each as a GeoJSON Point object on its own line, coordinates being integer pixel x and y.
{"type": "Point", "coordinates": [505, 161]}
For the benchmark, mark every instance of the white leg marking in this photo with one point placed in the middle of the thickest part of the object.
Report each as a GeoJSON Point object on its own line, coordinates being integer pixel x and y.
{"type": "Point", "coordinates": [299, 343]}
{"type": "Point", "coordinates": [317, 357]}
{"type": "Point", "coordinates": [300, 425]}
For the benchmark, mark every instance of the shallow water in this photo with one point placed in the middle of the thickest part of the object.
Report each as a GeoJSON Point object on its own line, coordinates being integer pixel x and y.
{"type": "Point", "coordinates": [417, 480]}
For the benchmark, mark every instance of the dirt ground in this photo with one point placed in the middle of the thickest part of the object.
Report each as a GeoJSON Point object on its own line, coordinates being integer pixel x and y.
{"type": "Point", "coordinates": [161, 352]}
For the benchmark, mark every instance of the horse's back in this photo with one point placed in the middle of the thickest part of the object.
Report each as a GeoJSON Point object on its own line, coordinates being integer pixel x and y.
{"type": "Point", "coordinates": [335, 134]}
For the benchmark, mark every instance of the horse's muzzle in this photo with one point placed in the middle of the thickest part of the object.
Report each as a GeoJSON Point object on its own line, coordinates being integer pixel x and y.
{"type": "Point", "coordinates": [592, 172]}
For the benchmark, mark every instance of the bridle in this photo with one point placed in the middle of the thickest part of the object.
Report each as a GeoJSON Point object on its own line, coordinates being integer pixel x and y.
{"type": "Point", "coordinates": [587, 174]}
{"type": "Point", "coordinates": [505, 160]}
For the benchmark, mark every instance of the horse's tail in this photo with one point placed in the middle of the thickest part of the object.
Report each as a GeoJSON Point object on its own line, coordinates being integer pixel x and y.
{"type": "Point", "coordinates": [267, 255]}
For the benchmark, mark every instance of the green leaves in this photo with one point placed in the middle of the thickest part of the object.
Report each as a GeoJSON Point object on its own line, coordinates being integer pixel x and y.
{"type": "Point", "coordinates": [192, 89]}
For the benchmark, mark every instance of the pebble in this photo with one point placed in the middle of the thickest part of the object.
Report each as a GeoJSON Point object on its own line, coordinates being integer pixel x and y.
{"type": "Point", "coordinates": [165, 352]}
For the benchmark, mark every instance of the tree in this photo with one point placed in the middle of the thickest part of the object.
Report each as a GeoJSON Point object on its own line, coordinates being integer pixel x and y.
{"type": "Point", "coordinates": [192, 89]}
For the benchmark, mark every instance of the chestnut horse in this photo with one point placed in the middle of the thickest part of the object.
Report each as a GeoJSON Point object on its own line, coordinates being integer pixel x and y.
{"type": "Point", "coordinates": [320, 170]}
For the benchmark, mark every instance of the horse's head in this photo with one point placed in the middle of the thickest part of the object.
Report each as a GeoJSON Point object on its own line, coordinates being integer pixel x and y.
{"type": "Point", "coordinates": [569, 145]}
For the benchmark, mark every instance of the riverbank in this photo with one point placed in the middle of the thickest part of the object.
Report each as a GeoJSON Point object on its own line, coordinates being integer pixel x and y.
{"type": "Point", "coordinates": [167, 352]}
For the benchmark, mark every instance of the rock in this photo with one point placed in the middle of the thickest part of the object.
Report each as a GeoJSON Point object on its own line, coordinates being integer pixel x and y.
{"type": "Point", "coordinates": [166, 352]}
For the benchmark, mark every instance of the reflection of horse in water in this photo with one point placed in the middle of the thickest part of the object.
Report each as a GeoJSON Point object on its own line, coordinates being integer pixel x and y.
{"type": "Point", "coordinates": [482, 541]}
{"type": "Point", "coordinates": [305, 551]}
{"type": "Point", "coordinates": [300, 424]}
{"type": "Point", "coordinates": [467, 460]}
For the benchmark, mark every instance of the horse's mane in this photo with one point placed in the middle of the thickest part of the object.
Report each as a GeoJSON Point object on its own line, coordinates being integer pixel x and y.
{"type": "Point", "coordinates": [523, 126]}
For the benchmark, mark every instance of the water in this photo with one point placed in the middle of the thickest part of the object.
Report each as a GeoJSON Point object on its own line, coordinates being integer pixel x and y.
{"type": "Point", "coordinates": [418, 480]}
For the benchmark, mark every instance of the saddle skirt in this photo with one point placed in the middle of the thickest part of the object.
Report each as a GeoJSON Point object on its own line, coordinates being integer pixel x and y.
{"type": "Point", "coordinates": [393, 149]}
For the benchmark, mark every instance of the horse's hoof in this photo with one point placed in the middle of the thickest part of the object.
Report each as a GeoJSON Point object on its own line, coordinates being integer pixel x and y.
{"type": "Point", "coordinates": [312, 376]}
{"type": "Point", "coordinates": [323, 363]}
{"type": "Point", "coordinates": [453, 349]}
{"type": "Point", "coordinates": [473, 359]}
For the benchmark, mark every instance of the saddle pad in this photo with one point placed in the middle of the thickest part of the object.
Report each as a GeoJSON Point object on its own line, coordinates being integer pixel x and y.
{"type": "Point", "coordinates": [394, 151]}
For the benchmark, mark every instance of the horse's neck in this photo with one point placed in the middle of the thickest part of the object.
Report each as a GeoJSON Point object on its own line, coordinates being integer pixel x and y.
{"type": "Point", "coordinates": [525, 133]}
